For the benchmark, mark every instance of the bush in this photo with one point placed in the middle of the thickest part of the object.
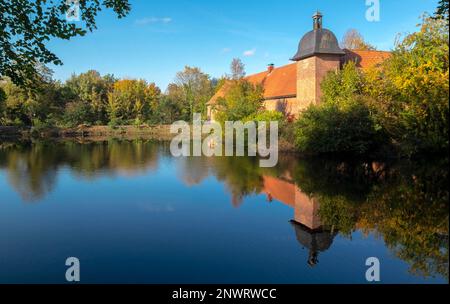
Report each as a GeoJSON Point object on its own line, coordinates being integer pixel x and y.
{"type": "Point", "coordinates": [329, 128]}
{"type": "Point", "coordinates": [266, 116]}
{"type": "Point", "coordinates": [16, 122]}
{"type": "Point", "coordinates": [115, 123]}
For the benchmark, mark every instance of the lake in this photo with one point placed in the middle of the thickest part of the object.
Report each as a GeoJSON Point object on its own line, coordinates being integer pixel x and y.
{"type": "Point", "coordinates": [132, 213]}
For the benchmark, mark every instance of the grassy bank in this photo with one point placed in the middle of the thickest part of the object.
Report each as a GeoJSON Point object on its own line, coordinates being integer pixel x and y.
{"type": "Point", "coordinates": [161, 132]}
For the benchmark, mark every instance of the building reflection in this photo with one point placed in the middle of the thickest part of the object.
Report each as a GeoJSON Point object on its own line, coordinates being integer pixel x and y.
{"type": "Point", "coordinates": [309, 231]}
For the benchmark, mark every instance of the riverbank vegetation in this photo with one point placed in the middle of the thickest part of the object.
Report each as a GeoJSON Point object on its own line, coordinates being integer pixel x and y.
{"type": "Point", "coordinates": [398, 108]}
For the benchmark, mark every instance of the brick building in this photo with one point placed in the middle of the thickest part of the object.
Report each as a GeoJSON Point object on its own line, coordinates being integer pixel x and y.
{"type": "Point", "coordinates": [293, 87]}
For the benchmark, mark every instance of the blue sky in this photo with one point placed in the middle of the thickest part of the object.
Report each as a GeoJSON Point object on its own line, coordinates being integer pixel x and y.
{"type": "Point", "coordinates": [158, 38]}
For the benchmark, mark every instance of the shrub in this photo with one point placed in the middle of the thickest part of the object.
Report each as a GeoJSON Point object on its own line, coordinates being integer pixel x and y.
{"type": "Point", "coordinates": [266, 116]}
{"type": "Point", "coordinates": [115, 123]}
{"type": "Point", "coordinates": [341, 129]}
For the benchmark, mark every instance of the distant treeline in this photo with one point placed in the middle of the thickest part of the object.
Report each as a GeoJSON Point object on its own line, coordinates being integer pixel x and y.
{"type": "Point", "coordinates": [92, 99]}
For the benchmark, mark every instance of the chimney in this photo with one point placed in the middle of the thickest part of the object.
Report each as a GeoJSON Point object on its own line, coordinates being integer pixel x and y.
{"type": "Point", "coordinates": [270, 67]}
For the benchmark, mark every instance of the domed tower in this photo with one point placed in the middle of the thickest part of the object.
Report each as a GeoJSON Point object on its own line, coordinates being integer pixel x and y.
{"type": "Point", "coordinates": [318, 53]}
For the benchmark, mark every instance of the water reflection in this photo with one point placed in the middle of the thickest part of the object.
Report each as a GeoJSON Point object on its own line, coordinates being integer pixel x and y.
{"type": "Point", "coordinates": [404, 204]}
{"type": "Point", "coordinates": [32, 167]}
{"type": "Point", "coordinates": [309, 230]}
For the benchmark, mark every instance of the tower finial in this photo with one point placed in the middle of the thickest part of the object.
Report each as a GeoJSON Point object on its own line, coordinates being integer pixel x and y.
{"type": "Point", "coordinates": [317, 20]}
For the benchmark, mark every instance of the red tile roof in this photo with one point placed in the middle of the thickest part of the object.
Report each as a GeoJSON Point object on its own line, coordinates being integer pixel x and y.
{"type": "Point", "coordinates": [366, 59]}
{"type": "Point", "coordinates": [282, 81]}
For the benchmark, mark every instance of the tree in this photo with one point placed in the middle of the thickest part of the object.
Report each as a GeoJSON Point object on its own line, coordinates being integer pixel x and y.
{"type": "Point", "coordinates": [26, 27]}
{"type": "Point", "coordinates": [442, 11]}
{"type": "Point", "coordinates": [77, 113]}
{"type": "Point", "coordinates": [91, 89]}
{"type": "Point", "coordinates": [242, 101]}
{"type": "Point", "coordinates": [132, 99]}
{"type": "Point", "coordinates": [2, 103]}
{"type": "Point", "coordinates": [353, 40]}
{"type": "Point", "coordinates": [413, 87]}
{"type": "Point", "coordinates": [192, 90]}
{"type": "Point", "coordinates": [166, 112]}
{"type": "Point", "coordinates": [337, 87]}
{"type": "Point", "coordinates": [25, 106]}
{"type": "Point", "coordinates": [237, 69]}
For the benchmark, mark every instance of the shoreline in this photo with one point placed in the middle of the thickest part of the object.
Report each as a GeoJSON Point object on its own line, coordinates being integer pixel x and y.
{"type": "Point", "coordinates": [161, 132]}
{"type": "Point", "coordinates": [102, 133]}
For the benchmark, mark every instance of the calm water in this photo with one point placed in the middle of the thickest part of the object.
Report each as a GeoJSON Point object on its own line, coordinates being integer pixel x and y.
{"type": "Point", "coordinates": [133, 214]}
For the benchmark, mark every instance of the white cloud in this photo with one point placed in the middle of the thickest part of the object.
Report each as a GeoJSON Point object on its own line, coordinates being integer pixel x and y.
{"type": "Point", "coordinates": [249, 53]}
{"type": "Point", "coordinates": [225, 50]}
{"type": "Point", "coordinates": [153, 20]}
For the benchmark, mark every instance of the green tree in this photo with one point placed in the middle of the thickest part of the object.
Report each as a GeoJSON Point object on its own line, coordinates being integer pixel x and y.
{"type": "Point", "coordinates": [90, 91]}
{"type": "Point", "coordinates": [241, 101]}
{"type": "Point", "coordinates": [442, 11]}
{"type": "Point", "coordinates": [37, 106]}
{"type": "Point", "coordinates": [343, 85]}
{"type": "Point", "coordinates": [26, 27]}
{"type": "Point", "coordinates": [192, 90]}
{"type": "Point", "coordinates": [77, 113]}
{"type": "Point", "coordinates": [2, 105]}
{"type": "Point", "coordinates": [166, 111]}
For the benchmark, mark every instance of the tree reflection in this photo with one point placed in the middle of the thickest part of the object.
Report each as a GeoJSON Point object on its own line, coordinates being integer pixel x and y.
{"type": "Point", "coordinates": [241, 176]}
{"type": "Point", "coordinates": [405, 204]}
{"type": "Point", "coordinates": [32, 168]}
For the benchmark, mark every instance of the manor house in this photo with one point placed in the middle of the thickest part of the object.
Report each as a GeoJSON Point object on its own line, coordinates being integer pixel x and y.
{"type": "Point", "coordinates": [293, 87]}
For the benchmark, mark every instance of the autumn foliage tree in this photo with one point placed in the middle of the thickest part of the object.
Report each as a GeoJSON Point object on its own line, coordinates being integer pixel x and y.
{"type": "Point", "coordinates": [353, 40]}
{"type": "Point", "coordinates": [412, 89]}
{"type": "Point", "coordinates": [132, 100]}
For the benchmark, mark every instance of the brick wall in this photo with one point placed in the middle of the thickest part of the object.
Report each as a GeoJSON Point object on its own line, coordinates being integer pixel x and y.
{"type": "Point", "coordinates": [310, 73]}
